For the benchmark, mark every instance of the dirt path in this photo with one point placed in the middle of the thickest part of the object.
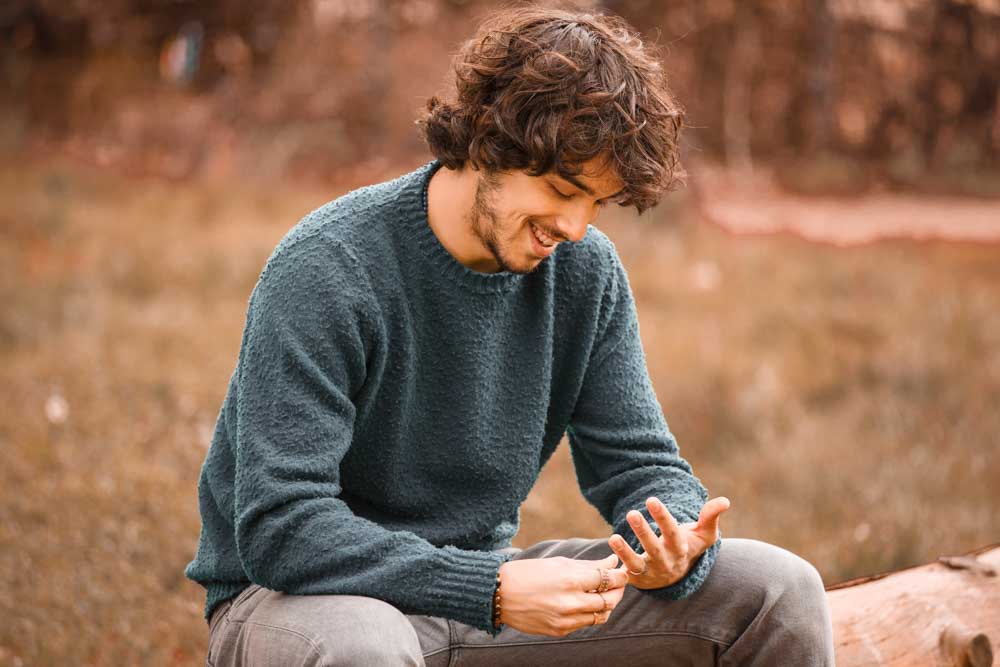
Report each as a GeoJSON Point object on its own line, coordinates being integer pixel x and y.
{"type": "Point", "coordinates": [753, 204]}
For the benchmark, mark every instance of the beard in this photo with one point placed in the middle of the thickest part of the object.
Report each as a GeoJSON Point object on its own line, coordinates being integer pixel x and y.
{"type": "Point", "coordinates": [485, 224]}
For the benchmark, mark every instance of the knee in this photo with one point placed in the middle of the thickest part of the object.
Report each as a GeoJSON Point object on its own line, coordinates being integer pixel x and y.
{"type": "Point", "coordinates": [778, 582]}
{"type": "Point", "coordinates": [375, 634]}
{"type": "Point", "coordinates": [327, 630]}
{"type": "Point", "coordinates": [800, 584]}
{"type": "Point", "coordinates": [775, 605]}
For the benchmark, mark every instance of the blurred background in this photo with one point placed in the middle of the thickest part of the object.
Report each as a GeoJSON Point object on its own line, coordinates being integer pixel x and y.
{"type": "Point", "coordinates": [819, 305]}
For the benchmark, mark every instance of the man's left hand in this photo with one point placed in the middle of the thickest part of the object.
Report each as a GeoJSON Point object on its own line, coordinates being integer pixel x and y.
{"type": "Point", "coordinates": [668, 556]}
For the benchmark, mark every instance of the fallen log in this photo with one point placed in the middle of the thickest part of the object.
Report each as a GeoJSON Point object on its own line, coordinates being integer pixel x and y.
{"type": "Point", "coordinates": [943, 614]}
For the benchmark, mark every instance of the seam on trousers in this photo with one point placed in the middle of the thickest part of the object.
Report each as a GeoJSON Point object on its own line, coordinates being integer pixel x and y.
{"type": "Point", "coordinates": [548, 642]}
{"type": "Point", "coordinates": [453, 645]}
{"type": "Point", "coordinates": [295, 633]}
{"type": "Point", "coordinates": [214, 636]}
{"type": "Point", "coordinates": [436, 651]}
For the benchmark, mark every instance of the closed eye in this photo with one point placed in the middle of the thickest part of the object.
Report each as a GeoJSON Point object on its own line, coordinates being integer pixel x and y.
{"type": "Point", "coordinates": [560, 194]}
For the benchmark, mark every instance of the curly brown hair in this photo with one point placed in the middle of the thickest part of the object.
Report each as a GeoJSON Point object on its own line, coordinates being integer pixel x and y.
{"type": "Point", "coordinates": [543, 90]}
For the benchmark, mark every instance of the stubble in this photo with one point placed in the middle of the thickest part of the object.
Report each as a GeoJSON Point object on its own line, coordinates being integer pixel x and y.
{"type": "Point", "coordinates": [485, 223]}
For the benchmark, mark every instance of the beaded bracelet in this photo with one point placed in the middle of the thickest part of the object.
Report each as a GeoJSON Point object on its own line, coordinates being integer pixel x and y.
{"type": "Point", "coordinates": [496, 603]}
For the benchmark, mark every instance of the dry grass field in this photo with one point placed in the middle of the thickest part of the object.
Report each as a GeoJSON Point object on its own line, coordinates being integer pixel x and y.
{"type": "Point", "coordinates": [845, 400]}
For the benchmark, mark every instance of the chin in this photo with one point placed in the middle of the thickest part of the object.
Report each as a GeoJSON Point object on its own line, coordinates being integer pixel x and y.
{"type": "Point", "coordinates": [525, 266]}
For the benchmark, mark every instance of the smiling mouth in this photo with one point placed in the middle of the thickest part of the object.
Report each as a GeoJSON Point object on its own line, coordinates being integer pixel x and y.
{"type": "Point", "coordinates": [544, 239]}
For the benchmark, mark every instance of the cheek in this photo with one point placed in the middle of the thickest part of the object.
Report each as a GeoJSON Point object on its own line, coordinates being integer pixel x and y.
{"type": "Point", "coordinates": [516, 222]}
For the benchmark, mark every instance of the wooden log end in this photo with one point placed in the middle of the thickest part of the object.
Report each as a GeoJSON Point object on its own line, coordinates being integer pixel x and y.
{"type": "Point", "coordinates": [962, 647]}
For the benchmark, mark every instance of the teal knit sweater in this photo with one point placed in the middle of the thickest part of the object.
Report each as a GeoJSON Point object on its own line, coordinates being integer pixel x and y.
{"type": "Point", "coordinates": [391, 409]}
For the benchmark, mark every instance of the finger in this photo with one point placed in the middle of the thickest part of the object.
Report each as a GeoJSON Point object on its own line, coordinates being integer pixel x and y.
{"type": "Point", "coordinates": [713, 509]}
{"type": "Point", "coordinates": [617, 576]}
{"type": "Point", "coordinates": [590, 569]}
{"type": "Point", "coordinates": [669, 529]}
{"type": "Point", "coordinates": [649, 539]}
{"type": "Point", "coordinates": [586, 619]}
{"type": "Point", "coordinates": [608, 561]}
{"type": "Point", "coordinates": [708, 519]}
{"type": "Point", "coordinates": [601, 602]}
{"type": "Point", "coordinates": [613, 597]}
{"type": "Point", "coordinates": [632, 560]}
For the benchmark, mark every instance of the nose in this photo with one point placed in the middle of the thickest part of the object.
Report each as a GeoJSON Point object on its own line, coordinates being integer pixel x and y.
{"type": "Point", "coordinates": [573, 227]}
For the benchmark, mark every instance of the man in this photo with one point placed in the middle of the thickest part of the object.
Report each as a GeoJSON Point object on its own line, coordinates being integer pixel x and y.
{"type": "Point", "coordinates": [415, 350]}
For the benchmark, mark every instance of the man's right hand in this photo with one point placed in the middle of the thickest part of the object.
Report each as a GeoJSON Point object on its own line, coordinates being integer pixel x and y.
{"type": "Point", "coordinates": [555, 596]}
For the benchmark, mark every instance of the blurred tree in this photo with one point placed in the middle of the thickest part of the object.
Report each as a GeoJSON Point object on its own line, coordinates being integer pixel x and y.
{"type": "Point", "coordinates": [822, 29]}
{"type": "Point", "coordinates": [141, 27]}
{"type": "Point", "coordinates": [910, 88]}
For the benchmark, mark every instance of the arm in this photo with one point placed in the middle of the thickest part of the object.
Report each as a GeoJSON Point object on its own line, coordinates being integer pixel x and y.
{"type": "Point", "coordinates": [310, 328]}
{"type": "Point", "coordinates": [622, 449]}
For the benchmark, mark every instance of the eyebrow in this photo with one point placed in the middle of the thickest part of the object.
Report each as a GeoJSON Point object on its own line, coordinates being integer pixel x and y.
{"type": "Point", "coordinates": [575, 181]}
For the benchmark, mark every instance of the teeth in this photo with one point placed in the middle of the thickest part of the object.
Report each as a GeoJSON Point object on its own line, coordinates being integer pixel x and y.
{"type": "Point", "coordinates": [543, 238]}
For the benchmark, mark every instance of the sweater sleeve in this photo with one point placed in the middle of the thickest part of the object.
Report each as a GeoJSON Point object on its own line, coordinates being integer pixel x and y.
{"type": "Point", "coordinates": [310, 330]}
{"type": "Point", "coordinates": [621, 446]}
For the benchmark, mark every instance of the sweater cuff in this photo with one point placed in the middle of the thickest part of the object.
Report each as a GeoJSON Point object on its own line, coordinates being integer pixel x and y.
{"type": "Point", "coordinates": [464, 585]}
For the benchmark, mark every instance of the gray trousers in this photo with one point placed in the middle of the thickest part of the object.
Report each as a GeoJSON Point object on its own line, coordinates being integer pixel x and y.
{"type": "Point", "coordinates": [760, 605]}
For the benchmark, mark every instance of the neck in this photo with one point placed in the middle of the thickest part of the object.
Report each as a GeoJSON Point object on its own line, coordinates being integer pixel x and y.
{"type": "Point", "coordinates": [450, 198]}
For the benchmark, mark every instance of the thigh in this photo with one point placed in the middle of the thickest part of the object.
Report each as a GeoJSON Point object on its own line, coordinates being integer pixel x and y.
{"type": "Point", "coordinates": [643, 629]}
{"type": "Point", "coordinates": [265, 627]}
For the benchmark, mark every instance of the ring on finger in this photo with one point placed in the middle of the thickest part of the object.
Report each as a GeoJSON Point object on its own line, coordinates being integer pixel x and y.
{"type": "Point", "coordinates": [605, 580]}
{"type": "Point", "coordinates": [595, 619]}
{"type": "Point", "coordinates": [605, 601]}
{"type": "Point", "coordinates": [645, 564]}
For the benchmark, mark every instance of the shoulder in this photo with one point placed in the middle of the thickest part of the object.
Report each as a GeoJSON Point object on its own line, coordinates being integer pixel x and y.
{"type": "Point", "coordinates": [347, 233]}
{"type": "Point", "coordinates": [343, 221]}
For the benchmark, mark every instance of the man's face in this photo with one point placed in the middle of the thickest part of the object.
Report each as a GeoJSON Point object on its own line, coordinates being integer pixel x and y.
{"type": "Point", "coordinates": [520, 219]}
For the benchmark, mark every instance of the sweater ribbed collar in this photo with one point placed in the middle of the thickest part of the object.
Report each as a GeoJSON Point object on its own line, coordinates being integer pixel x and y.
{"type": "Point", "coordinates": [431, 246]}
